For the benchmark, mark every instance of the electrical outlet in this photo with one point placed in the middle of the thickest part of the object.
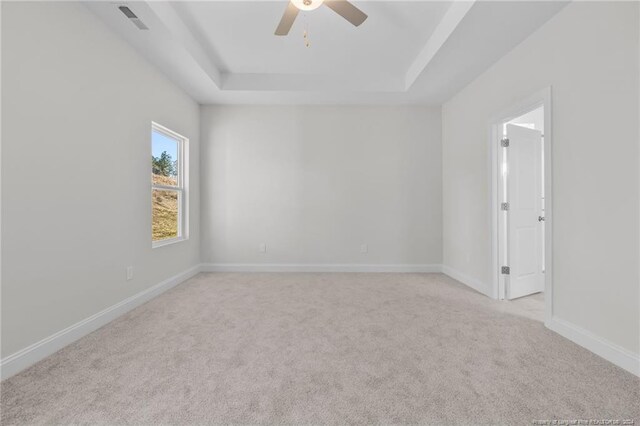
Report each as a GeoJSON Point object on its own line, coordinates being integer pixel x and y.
{"type": "Point", "coordinates": [263, 248]}
{"type": "Point", "coordinates": [129, 273]}
{"type": "Point", "coordinates": [364, 248]}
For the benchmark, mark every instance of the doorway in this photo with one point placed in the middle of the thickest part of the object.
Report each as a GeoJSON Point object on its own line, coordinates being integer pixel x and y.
{"type": "Point", "coordinates": [521, 168]}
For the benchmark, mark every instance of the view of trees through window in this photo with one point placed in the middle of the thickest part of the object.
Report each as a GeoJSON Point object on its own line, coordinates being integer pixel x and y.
{"type": "Point", "coordinates": [165, 199]}
{"type": "Point", "coordinates": [165, 166]}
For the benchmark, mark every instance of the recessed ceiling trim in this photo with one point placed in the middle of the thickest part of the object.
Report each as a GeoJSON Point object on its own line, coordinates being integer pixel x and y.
{"type": "Point", "coordinates": [310, 83]}
{"type": "Point", "coordinates": [445, 28]}
{"type": "Point", "coordinates": [171, 20]}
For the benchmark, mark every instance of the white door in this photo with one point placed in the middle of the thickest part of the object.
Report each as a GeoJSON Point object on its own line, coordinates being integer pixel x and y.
{"type": "Point", "coordinates": [524, 194]}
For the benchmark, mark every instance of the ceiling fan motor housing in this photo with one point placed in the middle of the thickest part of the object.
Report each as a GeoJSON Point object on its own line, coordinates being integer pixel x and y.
{"type": "Point", "coordinates": [341, 7]}
{"type": "Point", "coordinates": [307, 4]}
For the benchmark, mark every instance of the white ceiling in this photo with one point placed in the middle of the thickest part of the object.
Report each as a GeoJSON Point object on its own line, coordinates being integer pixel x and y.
{"type": "Point", "coordinates": [406, 52]}
{"type": "Point", "coordinates": [240, 36]}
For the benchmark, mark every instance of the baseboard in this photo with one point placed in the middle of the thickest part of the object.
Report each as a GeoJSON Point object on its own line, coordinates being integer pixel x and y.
{"type": "Point", "coordinates": [474, 283]}
{"type": "Point", "coordinates": [613, 353]}
{"type": "Point", "coordinates": [28, 356]}
{"type": "Point", "coordinates": [316, 267]}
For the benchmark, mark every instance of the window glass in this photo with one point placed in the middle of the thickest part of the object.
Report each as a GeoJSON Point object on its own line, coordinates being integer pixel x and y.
{"type": "Point", "coordinates": [165, 214]}
{"type": "Point", "coordinates": [168, 199]}
{"type": "Point", "coordinates": [164, 159]}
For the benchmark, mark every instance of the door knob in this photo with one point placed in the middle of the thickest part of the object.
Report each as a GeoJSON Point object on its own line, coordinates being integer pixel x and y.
{"type": "Point", "coordinates": [540, 218]}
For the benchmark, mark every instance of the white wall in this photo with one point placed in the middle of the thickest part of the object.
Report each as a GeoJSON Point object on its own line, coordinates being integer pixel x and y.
{"type": "Point", "coordinates": [77, 106]}
{"type": "Point", "coordinates": [314, 183]}
{"type": "Point", "coordinates": [588, 53]}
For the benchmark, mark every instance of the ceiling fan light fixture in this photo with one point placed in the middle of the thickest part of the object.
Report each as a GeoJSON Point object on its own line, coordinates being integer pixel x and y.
{"type": "Point", "coordinates": [342, 7]}
{"type": "Point", "coordinates": [306, 5]}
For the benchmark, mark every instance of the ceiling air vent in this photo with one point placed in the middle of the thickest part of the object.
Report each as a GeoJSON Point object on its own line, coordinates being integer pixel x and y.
{"type": "Point", "coordinates": [132, 16]}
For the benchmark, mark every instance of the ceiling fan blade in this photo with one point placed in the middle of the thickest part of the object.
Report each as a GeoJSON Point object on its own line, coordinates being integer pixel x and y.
{"type": "Point", "coordinates": [347, 11]}
{"type": "Point", "coordinates": [287, 20]}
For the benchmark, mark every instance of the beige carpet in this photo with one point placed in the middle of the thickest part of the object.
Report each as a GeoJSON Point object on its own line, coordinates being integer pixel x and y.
{"type": "Point", "coordinates": [318, 349]}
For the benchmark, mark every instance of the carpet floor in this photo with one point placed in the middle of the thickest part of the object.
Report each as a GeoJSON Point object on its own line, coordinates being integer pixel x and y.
{"type": "Point", "coordinates": [321, 349]}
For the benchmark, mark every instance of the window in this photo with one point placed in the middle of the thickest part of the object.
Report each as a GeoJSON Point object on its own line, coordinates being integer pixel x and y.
{"type": "Point", "coordinates": [168, 186]}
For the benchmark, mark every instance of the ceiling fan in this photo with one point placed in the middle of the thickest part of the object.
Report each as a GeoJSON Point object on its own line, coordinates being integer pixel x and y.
{"type": "Point", "coordinates": [341, 7]}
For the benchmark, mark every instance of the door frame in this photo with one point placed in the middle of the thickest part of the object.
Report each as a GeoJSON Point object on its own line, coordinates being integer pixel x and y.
{"type": "Point", "coordinates": [540, 98]}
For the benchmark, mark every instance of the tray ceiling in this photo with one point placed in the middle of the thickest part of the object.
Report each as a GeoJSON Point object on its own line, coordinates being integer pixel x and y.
{"type": "Point", "coordinates": [406, 51]}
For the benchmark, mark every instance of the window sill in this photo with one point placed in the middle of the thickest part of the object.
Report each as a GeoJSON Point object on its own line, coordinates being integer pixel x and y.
{"type": "Point", "coordinates": [167, 242]}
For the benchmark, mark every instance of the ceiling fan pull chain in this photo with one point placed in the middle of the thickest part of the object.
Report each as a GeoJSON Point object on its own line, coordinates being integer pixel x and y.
{"type": "Point", "coordinates": [307, 43]}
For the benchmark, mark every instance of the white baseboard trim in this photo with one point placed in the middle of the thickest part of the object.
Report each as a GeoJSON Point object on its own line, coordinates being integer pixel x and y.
{"type": "Point", "coordinates": [319, 267]}
{"type": "Point", "coordinates": [465, 279]}
{"type": "Point", "coordinates": [28, 356]}
{"type": "Point", "coordinates": [613, 353]}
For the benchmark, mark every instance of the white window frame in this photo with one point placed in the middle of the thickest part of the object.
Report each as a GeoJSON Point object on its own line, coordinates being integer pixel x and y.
{"type": "Point", "coordinates": [181, 188]}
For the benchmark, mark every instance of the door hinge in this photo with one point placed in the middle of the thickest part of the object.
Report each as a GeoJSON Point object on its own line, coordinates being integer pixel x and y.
{"type": "Point", "coordinates": [504, 206]}
{"type": "Point", "coordinates": [504, 142]}
{"type": "Point", "coordinates": [506, 270]}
